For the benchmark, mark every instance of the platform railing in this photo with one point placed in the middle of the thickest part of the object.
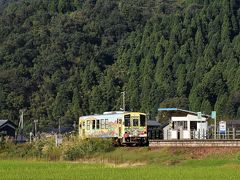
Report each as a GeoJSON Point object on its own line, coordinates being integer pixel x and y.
{"type": "Point", "coordinates": [229, 134]}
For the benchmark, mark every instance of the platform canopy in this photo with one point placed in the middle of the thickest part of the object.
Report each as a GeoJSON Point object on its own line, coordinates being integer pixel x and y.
{"type": "Point", "coordinates": [181, 111]}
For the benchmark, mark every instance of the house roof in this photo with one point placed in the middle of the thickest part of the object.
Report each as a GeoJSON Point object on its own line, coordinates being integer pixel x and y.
{"type": "Point", "coordinates": [153, 123]}
{"type": "Point", "coordinates": [233, 122]}
{"type": "Point", "coordinates": [3, 122]}
{"type": "Point", "coordinates": [182, 110]}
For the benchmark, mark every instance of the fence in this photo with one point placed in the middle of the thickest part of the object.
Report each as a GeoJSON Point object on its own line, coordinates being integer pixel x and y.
{"type": "Point", "coordinates": [230, 133]}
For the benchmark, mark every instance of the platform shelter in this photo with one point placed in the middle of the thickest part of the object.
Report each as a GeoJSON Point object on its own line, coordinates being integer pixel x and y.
{"type": "Point", "coordinates": [184, 124]}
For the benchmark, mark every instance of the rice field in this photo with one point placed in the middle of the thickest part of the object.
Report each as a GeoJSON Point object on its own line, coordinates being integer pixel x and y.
{"type": "Point", "coordinates": [131, 163]}
{"type": "Point", "coordinates": [193, 169]}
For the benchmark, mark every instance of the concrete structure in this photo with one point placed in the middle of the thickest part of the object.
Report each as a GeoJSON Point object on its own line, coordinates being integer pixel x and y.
{"type": "Point", "coordinates": [166, 134]}
{"type": "Point", "coordinates": [184, 124]}
{"type": "Point", "coordinates": [194, 143]}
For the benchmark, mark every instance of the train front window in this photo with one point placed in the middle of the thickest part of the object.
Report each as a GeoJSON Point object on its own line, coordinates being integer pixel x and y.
{"type": "Point", "coordinates": [142, 120]}
{"type": "Point", "coordinates": [127, 120]}
{"type": "Point", "coordinates": [93, 124]}
{"type": "Point", "coordinates": [135, 122]}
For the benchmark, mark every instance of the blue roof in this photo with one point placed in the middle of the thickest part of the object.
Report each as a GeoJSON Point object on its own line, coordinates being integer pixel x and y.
{"type": "Point", "coordinates": [167, 109]}
{"type": "Point", "coordinates": [181, 110]}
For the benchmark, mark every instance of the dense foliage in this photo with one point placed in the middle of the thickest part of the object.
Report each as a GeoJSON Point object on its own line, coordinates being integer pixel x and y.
{"type": "Point", "coordinates": [69, 58]}
{"type": "Point", "coordinates": [45, 148]}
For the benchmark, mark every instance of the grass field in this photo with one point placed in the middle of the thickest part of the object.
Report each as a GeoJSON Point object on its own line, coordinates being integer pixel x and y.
{"type": "Point", "coordinates": [131, 164]}
{"type": "Point", "coordinates": [65, 170]}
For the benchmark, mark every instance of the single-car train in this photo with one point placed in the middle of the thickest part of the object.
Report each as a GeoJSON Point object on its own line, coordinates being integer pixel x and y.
{"type": "Point", "coordinates": [123, 127]}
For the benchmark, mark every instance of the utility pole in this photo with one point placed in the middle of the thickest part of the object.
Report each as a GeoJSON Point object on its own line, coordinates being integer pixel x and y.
{"type": "Point", "coordinates": [123, 93]}
{"type": "Point", "coordinates": [35, 127]}
{"type": "Point", "coordinates": [59, 126]}
{"type": "Point", "coordinates": [20, 125]}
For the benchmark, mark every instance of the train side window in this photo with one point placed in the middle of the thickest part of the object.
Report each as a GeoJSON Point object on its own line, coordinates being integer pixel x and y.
{"type": "Point", "coordinates": [93, 124]}
{"type": "Point", "coordinates": [83, 123]}
{"type": "Point", "coordinates": [106, 123]}
{"type": "Point", "coordinates": [98, 124]}
{"type": "Point", "coordinates": [102, 123]}
{"type": "Point", "coordinates": [88, 124]}
{"type": "Point", "coordinates": [135, 122]}
{"type": "Point", "coordinates": [142, 120]}
{"type": "Point", "coordinates": [127, 120]}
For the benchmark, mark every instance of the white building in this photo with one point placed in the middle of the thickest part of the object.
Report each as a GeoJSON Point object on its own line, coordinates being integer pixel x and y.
{"type": "Point", "coordinates": [184, 124]}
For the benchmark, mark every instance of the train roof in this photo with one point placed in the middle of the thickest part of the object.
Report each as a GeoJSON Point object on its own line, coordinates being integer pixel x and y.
{"type": "Point", "coordinates": [110, 113]}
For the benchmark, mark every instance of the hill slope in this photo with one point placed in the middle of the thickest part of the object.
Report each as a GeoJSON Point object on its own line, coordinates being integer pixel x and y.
{"type": "Point", "coordinates": [68, 58]}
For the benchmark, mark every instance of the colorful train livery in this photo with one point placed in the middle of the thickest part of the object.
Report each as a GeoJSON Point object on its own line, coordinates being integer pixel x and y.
{"type": "Point", "coordinates": [123, 127]}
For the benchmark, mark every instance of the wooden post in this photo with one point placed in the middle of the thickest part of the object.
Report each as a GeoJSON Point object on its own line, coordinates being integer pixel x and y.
{"type": "Point", "coordinates": [228, 133]}
{"type": "Point", "coordinates": [234, 135]}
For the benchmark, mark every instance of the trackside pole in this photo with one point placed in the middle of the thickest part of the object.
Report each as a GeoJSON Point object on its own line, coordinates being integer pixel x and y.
{"type": "Point", "coordinates": [213, 116]}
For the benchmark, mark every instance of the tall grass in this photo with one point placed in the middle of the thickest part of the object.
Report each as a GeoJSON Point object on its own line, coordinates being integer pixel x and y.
{"type": "Point", "coordinates": [72, 149]}
{"type": "Point", "coordinates": [87, 148]}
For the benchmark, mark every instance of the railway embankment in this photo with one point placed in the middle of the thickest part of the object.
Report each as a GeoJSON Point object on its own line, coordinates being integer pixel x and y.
{"type": "Point", "coordinates": [194, 143]}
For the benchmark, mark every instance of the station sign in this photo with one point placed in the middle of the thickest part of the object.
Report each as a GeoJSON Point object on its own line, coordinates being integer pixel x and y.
{"type": "Point", "coordinates": [222, 127]}
{"type": "Point", "coordinates": [213, 115]}
{"type": "Point", "coordinates": [199, 115]}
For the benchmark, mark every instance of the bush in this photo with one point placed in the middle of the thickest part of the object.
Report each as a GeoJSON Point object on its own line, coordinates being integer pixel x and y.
{"type": "Point", "coordinates": [88, 147]}
{"type": "Point", "coordinates": [71, 149]}
{"type": "Point", "coordinates": [25, 150]}
{"type": "Point", "coordinates": [53, 153]}
{"type": "Point", "coordinates": [11, 150]}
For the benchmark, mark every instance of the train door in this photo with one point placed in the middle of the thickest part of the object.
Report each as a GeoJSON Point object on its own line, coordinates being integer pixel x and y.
{"type": "Point", "coordinates": [82, 129]}
{"type": "Point", "coordinates": [119, 122]}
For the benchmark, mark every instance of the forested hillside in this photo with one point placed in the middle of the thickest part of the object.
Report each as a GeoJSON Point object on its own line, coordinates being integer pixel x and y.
{"type": "Point", "coordinates": [63, 59]}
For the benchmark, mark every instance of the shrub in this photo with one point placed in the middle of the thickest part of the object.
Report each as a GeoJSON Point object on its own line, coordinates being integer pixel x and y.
{"type": "Point", "coordinates": [88, 147]}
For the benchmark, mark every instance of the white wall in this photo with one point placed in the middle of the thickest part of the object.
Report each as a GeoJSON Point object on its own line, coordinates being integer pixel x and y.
{"type": "Point", "coordinates": [166, 132]}
{"type": "Point", "coordinates": [201, 127]}
{"type": "Point", "coordinates": [189, 117]}
{"type": "Point", "coordinates": [174, 134]}
{"type": "Point", "coordinates": [186, 134]}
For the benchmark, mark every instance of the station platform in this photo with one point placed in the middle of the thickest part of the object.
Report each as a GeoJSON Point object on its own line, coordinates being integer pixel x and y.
{"type": "Point", "coordinates": [195, 143]}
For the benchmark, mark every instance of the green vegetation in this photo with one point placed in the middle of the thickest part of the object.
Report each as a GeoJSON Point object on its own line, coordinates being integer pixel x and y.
{"type": "Point", "coordinates": [45, 149]}
{"type": "Point", "coordinates": [88, 148]}
{"type": "Point", "coordinates": [207, 168]}
{"type": "Point", "coordinates": [70, 58]}
{"type": "Point", "coordinates": [97, 159]}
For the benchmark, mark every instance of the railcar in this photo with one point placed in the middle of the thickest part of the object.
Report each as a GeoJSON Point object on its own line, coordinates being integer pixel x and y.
{"type": "Point", "coordinates": [115, 125]}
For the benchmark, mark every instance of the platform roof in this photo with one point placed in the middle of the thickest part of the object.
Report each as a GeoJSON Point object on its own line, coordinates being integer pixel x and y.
{"type": "Point", "coordinates": [175, 110]}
